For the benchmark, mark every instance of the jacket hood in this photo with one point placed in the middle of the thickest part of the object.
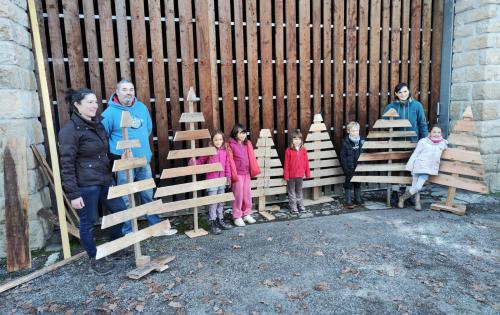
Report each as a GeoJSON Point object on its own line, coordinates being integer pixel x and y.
{"type": "Point", "coordinates": [113, 101]}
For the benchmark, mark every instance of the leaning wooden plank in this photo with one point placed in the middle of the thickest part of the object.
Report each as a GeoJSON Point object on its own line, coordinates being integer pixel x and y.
{"type": "Point", "coordinates": [382, 179]}
{"type": "Point", "coordinates": [463, 140]}
{"type": "Point", "coordinates": [130, 239]}
{"type": "Point", "coordinates": [461, 168]}
{"type": "Point", "coordinates": [192, 135]}
{"type": "Point", "coordinates": [389, 145]}
{"type": "Point", "coordinates": [190, 170]}
{"type": "Point", "coordinates": [464, 125]}
{"type": "Point", "coordinates": [391, 134]}
{"type": "Point", "coordinates": [192, 117]}
{"type": "Point", "coordinates": [128, 144]}
{"type": "Point", "coordinates": [14, 283]}
{"type": "Point", "coordinates": [131, 188]}
{"type": "Point", "coordinates": [323, 163]}
{"type": "Point", "coordinates": [129, 214]}
{"type": "Point", "coordinates": [382, 156]}
{"type": "Point", "coordinates": [330, 154]}
{"type": "Point", "coordinates": [454, 208]}
{"type": "Point", "coordinates": [189, 187]}
{"type": "Point", "coordinates": [129, 163]}
{"type": "Point", "coordinates": [317, 127]}
{"type": "Point", "coordinates": [158, 264]}
{"type": "Point", "coordinates": [191, 153]}
{"type": "Point", "coordinates": [52, 218]}
{"type": "Point", "coordinates": [326, 172]}
{"type": "Point", "coordinates": [190, 203]}
{"type": "Point", "coordinates": [459, 182]}
{"type": "Point", "coordinates": [318, 145]}
{"type": "Point", "coordinates": [381, 167]}
{"type": "Point", "coordinates": [317, 136]}
{"type": "Point", "coordinates": [398, 123]}
{"type": "Point", "coordinates": [323, 181]}
{"type": "Point", "coordinates": [454, 154]}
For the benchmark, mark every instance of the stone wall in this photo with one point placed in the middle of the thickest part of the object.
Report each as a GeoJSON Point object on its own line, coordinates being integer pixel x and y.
{"type": "Point", "coordinates": [20, 112]}
{"type": "Point", "coordinates": [476, 76]}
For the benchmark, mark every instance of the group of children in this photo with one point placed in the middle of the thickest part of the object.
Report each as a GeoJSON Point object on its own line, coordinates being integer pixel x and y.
{"type": "Point", "coordinates": [239, 165]}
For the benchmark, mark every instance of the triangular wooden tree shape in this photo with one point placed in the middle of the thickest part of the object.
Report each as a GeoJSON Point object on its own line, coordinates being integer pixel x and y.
{"type": "Point", "coordinates": [191, 118]}
{"type": "Point", "coordinates": [387, 136]}
{"type": "Point", "coordinates": [143, 263]}
{"type": "Point", "coordinates": [323, 160]}
{"type": "Point", "coordinates": [270, 181]}
{"type": "Point", "coordinates": [461, 165]}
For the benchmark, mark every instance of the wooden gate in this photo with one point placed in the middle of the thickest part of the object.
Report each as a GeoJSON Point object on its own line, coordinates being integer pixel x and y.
{"type": "Point", "coordinates": [264, 63]}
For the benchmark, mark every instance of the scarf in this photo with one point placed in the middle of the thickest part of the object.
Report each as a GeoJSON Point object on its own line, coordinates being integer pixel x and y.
{"type": "Point", "coordinates": [435, 140]}
{"type": "Point", "coordinates": [355, 140]}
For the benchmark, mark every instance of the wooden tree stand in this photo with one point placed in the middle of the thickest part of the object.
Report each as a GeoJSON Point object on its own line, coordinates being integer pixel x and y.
{"type": "Point", "coordinates": [323, 161]}
{"type": "Point", "coordinates": [143, 263]}
{"type": "Point", "coordinates": [192, 135]}
{"type": "Point", "coordinates": [270, 181]}
{"type": "Point", "coordinates": [387, 138]}
{"type": "Point", "coordinates": [458, 162]}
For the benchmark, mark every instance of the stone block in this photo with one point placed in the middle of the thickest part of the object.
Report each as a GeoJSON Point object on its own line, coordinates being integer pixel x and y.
{"type": "Point", "coordinates": [488, 26]}
{"type": "Point", "coordinates": [31, 160]}
{"type": "Point", "coordinates": [486, 91]}
{"type": "Point", "coordinates": [29, 128]}
{"type": "Point", "coordinates": [46, 200]}
{"type": "Point", "coordinates": [464, 30]}
{"type": "Point", "coordinates": [11, 31]}
{"type": "Point", "coordinates": [462, 6]}
{"type": "Point", "coordinates": [22, 104]}
{"type": "Point", "coordinates": [493, 181]}
{"type": "Point", "coordinates": [35, 181]}
{"type": "Point", "coordinates": [488, 128]}
{"type": "Point", "coordinates": [482, 73]}
{"type": "Point", "coordinates": [489, 56]}
{"type": "Point", "coordinates": [23, 4]}
{"type": "Point", "coordinates": [491, 162]}
{"type": "Point", "coordinates": [35, 204]}
{"type": "Point", "coordinates": [489, 145]}
{"type": "Point", "coordinates": [40, 230]}
{"type": "Point", "coordinates": [486, 110]}
{"type": "Point", "coordinates": [482, 41]}
{"type": "Point", "coordinates": [459, 75]}
{"type": "Point", "coordinates": [3, 254]}
{"type": "Point", "coordinates": [465, 59]}
{"type": "Point", "coordinates": [2, 210]}
{"type": "Point", "coordinates": [14, 12]}
{"type": "Point", "coordinates": [15, 77]}
{"type": "Point", "coordinates": [15, 54]}
{"type": "Point", "coordinates": [459, 44]}
{"type": "Point", "coordinates": [461, 92]}
{"type": "Point", "coordinates": [477, 14]}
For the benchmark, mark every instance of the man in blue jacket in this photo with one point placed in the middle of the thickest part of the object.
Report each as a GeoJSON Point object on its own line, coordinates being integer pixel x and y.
{"type": "Point", "coordinates": [124, 100]}
{"type": "Point", "coordinates": [412, 110]}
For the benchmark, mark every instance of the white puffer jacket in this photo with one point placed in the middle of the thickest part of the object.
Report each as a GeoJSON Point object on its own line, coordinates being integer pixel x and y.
{"type": "Point", "coordinates": [426, 157]}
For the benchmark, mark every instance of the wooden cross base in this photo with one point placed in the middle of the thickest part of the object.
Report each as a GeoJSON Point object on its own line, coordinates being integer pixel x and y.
{"type": "Point", "coordinates": [159, 264]}
{"type": "Point", "coordinates": [196, 233]}
{"type": "Point", "coordinates": [266, 215]}
{"type": "Point", "coordinates": [453, 208]}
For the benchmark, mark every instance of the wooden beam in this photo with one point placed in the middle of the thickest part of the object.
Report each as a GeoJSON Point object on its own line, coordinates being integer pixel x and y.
{"type": "Point", "coordinates": [317, 136]}
{"type": "Point", "coordinates": [323, 163]}
{"type": "Point", "coordinates": [192, 117]}
{"type": "Point", "coordinates": [382, 156]}
{"type": "Point", "coordinates": [129, 163]}
{"type": "Point", "coordinates": [271, 163]}
{"type": "Point", "coordinates": [318, 145]}
{"type": "Point", "coordinates": [464, 126]}
{"type": "Point", "coordinates": [324, 172]}
{"type": "Point", "coordinates": [190, 170]}
{"type": "Point", "coordinates": [383, 179]}
{"type": "Point", "coordinates": [126, 120]}
{"type": "Point", "coordinates": [461, 155]}
{"type": "Point", "coordinates": [391, 134]}
{"type": "Point", "coordinates": [458, 182]}
{"type": "Point", "coordinates": [192, 135]}
{"type": "Point", "coordinates": [454, 208]}
{"type": "Point", "coordinates": [131, 188]}
{"type": "Point", "coordinates": [129, 214]}
{"type": "Point", "coordinates": [265, 152]}
{"type": "Point", "coordinates": [389, 145]}
{"type": "Point", "coordinates": [461, 168]}
{"type": "Point", "coordinates": [464, 140]}
{"type": "Point", "coordinates": [381, 167]}
{"type": "Point", "coordinates": [191, 203]}
{"type": "Point", "coordinates": [323, 181]}
{"type": "Point", "coordinates": [317, 127]}
{"type": "Point", "coordinates": [190, 153]}
{"type": "Point", "coordinates": [398, 123]}
{"type": "Point", "coordinates": [330, 154]}
{"type": "Point", "coordinates": [128, 144]}
{"type": "Point", "coordinates": [189, 187]}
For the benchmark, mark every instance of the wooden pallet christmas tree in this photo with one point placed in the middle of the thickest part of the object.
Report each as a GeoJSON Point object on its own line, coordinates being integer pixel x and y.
{"type": "Point", "coordinates": [270, 181]}
{"type": "Point", "coordinates": [192, 118]}
{"type": "Point", "coordinates": [461, 165]}
{"type": "Point", "coordinates": [393, 138]}
{"type": "Point", "coordinates": [323, 160]}
{"type": "Point", "coordinates": [143, 263]}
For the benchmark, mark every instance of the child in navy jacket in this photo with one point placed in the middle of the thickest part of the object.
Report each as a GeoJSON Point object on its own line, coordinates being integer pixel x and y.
{"type": "Point", "coordinates": [296, 167]}
{"type": "Point", "coordinates": [349, 154]}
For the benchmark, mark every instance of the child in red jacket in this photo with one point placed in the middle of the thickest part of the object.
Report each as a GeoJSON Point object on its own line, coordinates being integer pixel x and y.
{"type": "Point", "coordinates": [296, 167]}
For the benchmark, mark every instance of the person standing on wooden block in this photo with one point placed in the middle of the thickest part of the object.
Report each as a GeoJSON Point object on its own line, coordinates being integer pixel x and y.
{"type": "Point", "coordinates": [412, 110]}
{"type": "Point", "coordinates": [296, 167]}
{"type": "Point", "coordinates": [124, 100]}
{"type": "Point", "coordinates": [216, 211]}
{"type": "Point", "coordinates": [352, 145]}
{"type": "Point", "coordinates": [246, 167]}
{"type": "Point", "coordinates": [85, 171]}
{"type": "Point", "coordinates": [424, 162]}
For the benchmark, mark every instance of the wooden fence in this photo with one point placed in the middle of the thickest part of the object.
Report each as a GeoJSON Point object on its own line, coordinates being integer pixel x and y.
{"type": "Point", "coordinates": [264, 63]}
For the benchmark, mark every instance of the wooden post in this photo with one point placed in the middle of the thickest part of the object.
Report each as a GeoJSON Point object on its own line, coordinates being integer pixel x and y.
{"type": "Point", "coordinates": [316, 191]}
{"type": "Point", "coordinates": [51, 137]}
{"type": "Point", "coordinates": [389, 188]}
{"type": "Point", "coordinates": [16, 205]}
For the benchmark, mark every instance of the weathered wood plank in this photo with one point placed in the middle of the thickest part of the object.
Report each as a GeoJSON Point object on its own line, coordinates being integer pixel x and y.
{"type": "Point", "coordinates": [458, 182]}
{"type": "Point", "coordinates": [266, 62]}
{"type": "Point", "coordinates": [190, 203]}
{"type": "Point", "coordinates": [253, 68]}
{"type": "Point", "coordinates": [192, 135]}
{"type": "Point", "coordinates": [323, 181]}
{"type": "Point", "coordinates": [464, 126]}
{"type": "Point", "coordinates": [187, 47]}
{"type": "Point", "coordinates": [131, 188]}
{"type": "Point", "coordinates": [382, 179]}
{"type": "Point", "coordinates": [325, 172]}
{"type": "Point", "coordinates": [123, 43]}
{"type": "Point", "coordinates": [362, 44]}
{"type": "Point", "coordinates": [389, 145]}
{"type": "Point", "coordinates": [461, 168]}
{"type": "Point", "coordinates": [129, 214]}
{"type": "Point", "coordinates": [226, 62]}
{"type": "Point", "coordinates": [189, 187]}
{"type": "Point", "coordinates": [330, 154]}
{"type": "Point", "coordinates": [437, 41]}
{"type": "Point", "coordinates": [327, 62]}
{"type": "Point", "coordinates": [93, 54]}
{"type": "Point", "coordinates": [338, 66]}
{"type": "Point", "coordinates": [192, 117]}
{"type": "Point", "coordinates": [380, 156]}
{"type": "Point", "coordinates": [190, 170]}
{"type": "Point", "coordinates": [291, 65]}
{"type": "Point", "coordinates": [381, 167]}
{"type": "Point", "coordinates": [280, 74]}
{"type": "Point", "coordinates": [190, 153]}
{"type": "Point", "coordinates": [395, 51]}
{"type": "Point", "coordinates": [316, 42]}
{"type": "Point", "coordinates": [385, 93]}
{"type": "Point", "coordinates": [173, 73]}
{"type": "Point", "coordinates": [426, 54]}
{"type": "Point", "coordinates": [351, 21]}
{"type": "Point", "coordinates": [239, 41]}
{"type": "Point", "coordinates": [317, 136]}
{"type": "Point", "coordinates": [454, 154]}
{"type": "Point", "coordinates": [416, 17]}
{"type": "Point", "coordinates": [397, 123]}
{"type": "Point", "coordinates": [128, 144]}
{"type": "Point", "coordinates": [374, 60]}
{"type": "Point", "coordinates": [317, 127]}
{"type": "Point", "coordinates": [318, 145]}
{"type": "Point", "coordinates": [391, 134]}
{"type": "Point", "coordinates": [107, 46]}
{"type": "Point", "coordinates": [465, 140]}
{"type": "Point", "coordinates": [305, 64]}
{"type": "Point", "coordinates": [129, 163]}
{"type": "Point", "coordinates": [323, 163]}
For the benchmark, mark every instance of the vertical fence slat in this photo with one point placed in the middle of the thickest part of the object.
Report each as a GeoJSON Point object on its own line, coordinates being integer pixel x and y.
{"type": "Point", "coordinates": [291, 64]}
{"type": "Point", "coordinates": [43, 38]}
{"type": "Point", "coordinates": [214, 80]}
{"type": "Point", "coordinates": [140, 52]}
{"type": "Point", "coordinates": [160, 108]}
{"type": "Point", "coordinates": [350, 104]}
{"type": "Point", "coordinates": [386, 20]}
{"type": "Point", "coordinates": [280, 75]}
{"type": "Point", "coordinates": [338, 52]}
{"type": "Point", "coordinates": [374, 61]}
{"type": "Point", "coordinates": [253, 70]}
{"type": "Point", "coordinates": [187, 53]}
{"type": "Point", "coordinates": [426, 54]}
{"type": "Point", "coordinates": [305, 65]}
{"type": "Point", "coordinates": [316, 14]}
{"type": "Point", "coordinates": [395, 39]}
{"type": "Point", "coordinates": [122, 30]}
{"type": "Point", "coordinates": [416, 10]}
{"type": "Point", "coordinates": [239, 42]}
{"type": "Point", "coordinates": [226, 63]}
{"type": "Point", "coordinates": [173, 79]}
{"type": "Point", "coordinates": [107, 46]}
{"type": "Point", "coordinates": [327, 62]}
{"type": "Point", "coordinates": [74, 43]}
{"type": "Point", "coordinates": [266, 51]}
{"type": "Point", "coordinates": [405, 41]}
{"type": "Point", "coordinates": [362, 65]}
{"type": "Point", "coordinates": [437, 39]}
{"type": "Point", "coordinates": [93, 55]}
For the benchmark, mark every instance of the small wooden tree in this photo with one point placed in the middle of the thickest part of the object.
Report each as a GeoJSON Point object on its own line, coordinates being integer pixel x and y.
{"type": "Point", "coordinates": [143, 263]}
{"type": "Point", "coordinates": [192, 135]}
{"type": "Point", "coordinates": [323, 160]}
{"type": "Point", "coordinates": [270, 181]}
{"type": "Point", "coordinates": [389, 136]}
{"type": "Point", "coordinates": [461, 165]}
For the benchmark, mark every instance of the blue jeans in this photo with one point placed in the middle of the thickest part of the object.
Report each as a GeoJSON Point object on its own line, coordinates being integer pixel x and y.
{"type": "Point", "coordinates": [145, 196]}
{"type": "Point", "coordinates": [88, 215]}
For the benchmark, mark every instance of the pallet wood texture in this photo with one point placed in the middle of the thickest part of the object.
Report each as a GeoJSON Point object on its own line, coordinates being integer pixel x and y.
{"type": "Point", "coordinates": [458, 162]}
{"type": "Point", "coordinates": [158, 264]}
{"type": "Point", "coordinates": [189, 187]}
{"type": "Point", "coordinates": [192, 135]}
{"type": "Point", "coordinates": [128, 144]}
{"type": "Point", "coordinates": [131, 188]}
{"type": "Point", "coordinates": [323, 160]}
{"type": "Point", "coordinates": [190, 153]}
{"type": "Point", "coordinates": [192, 203]}
{"type": "Point", "coordinates": [191, 170]}
{"type": "Point", "coordinates": [129, 214]}
{"type": "Point", "coordinates": [131, 163]}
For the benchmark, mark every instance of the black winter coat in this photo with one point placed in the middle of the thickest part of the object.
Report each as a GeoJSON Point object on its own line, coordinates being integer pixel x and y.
{"type": "Point", "coordinates": [83, 148]}
{"type": "Point", "coordinates": [349, 155]}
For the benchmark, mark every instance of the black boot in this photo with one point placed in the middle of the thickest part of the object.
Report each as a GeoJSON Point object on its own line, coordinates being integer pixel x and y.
{"type": "Point", "coordinates": [411, 201]}
{"type": "Point", "coordinates": [394, 199]}
{"type": "Point", "coordinates": [357, 197]}
{"type": "Point", "coordinates": [214, 228]}
{"type": "Point", "coordinates": [348, 199]}
{"type": "Point", "coordinates": [101, 267]}
{"type": "Point", "coordinates": [223, 225]}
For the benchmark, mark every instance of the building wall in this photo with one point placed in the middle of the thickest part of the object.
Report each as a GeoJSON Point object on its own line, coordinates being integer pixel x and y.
{"type": "Point", "coordinates": [476, 76]}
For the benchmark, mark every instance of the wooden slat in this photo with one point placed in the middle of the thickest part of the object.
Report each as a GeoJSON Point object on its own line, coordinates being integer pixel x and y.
{"type": "Point", "coordinates": [265, 152]}
{"type": "Point", "coordinates": [316, 42]}
{"type": "Point", "coordinates": [381, 167]}
{"type": "Point", "coordinates": [129, 214]}
{"type": "Point", "coordinates": [214, 79]}
{"type": "Point", "coordinates": [362, 44]}
{"type": "Point", "coordinates": [131, 188]}
{"type": "Point", "coordinates": [123, 43]}
{"type": "Point", "coordinates": [128, 144]}
{"type": "Point", "coordinates": [129, 163]}
{"type": "Point", "coordinates": [325, 172]}
{"type": "Point", "coordinates": [327, 62]}
{"type": "Point", "coordinates": [266, 63]}
{"type": "Point", "coordinates": [381, 156]}
{"type": "Point", "coordinates": [323, 163]}
{"type": "Point", "coordinates": [74, 43]}
{"type": "Point", "coordinates": [323, 181]}
{"type": "Point", "coordinates": [92, 53]}
{"type": "Point", "coordinates": [317, 136]}
{"type": "Point", "coordinates": [318, 145]}
{"type": "Point", "coordinates": [107, 46]}
{"type": "Point", "coordinates": [395, 57]}
{"type": "Point", "coordinates": [187, 49]}
{"type": "Point", "coordinates": [338, 66]}
{"type": "Point", "coordinates": [239, 41]}
{"type": "Point", "coordinates": [273, 172]}
{"type": "Point", "coordinates": [317, 127]}
{"type": "Point", "coordinates": [464, 126]}
{"type": "Point", "coordinates": [189, 153]}
{"type": "Point", "coordinates": [192, 117]}
{"type": "Point", "coordinates": [458, 182]}
{"type": "Point", "coordinates": [305, 65]}
{"type": "Point", "coordinates": [464, 140]}
{"type": "Point", "coordinates": [351, 21]}
{"type": "Point", "coordinates": [272, 163]}
{"type": "Point", "coordinates": [190, 203]}
{"type": "Point", "coordinates": [259, 192]}
{"type": "Point", "coordinates": [384, 68]}
{"type": "Point", "coordinates": [226, 62]}
{"type": "Point", "coordinates": [426, 54]}
{"type": "Point", "coordinates": [437, 40]}
{"type": "Point", "coordinates": [454, 154]}
{"type": "Point", "coordinates": [405, 40]}
{"type": "Point", "coordinates": [416, 11]}
{"type": "Point", "coordinates": [192, 135]}
{"type": "Point", "coordinates": [330, 154]}
{"type": "Point", "coordinates": [397, 123]}
{"type": "Point", "coordinates": [389, 145]}
{"type": "Point", "coordinates": [190, 170]}
{"type": "Point", "coordinates": [189, 187]}
{"type": "Point", "coordinates": [173, 79]}
{"type": "Point", "coordinates": [130, 239]}
{"type": "Point", "coordinates": [291, 65]}
{"type": "Point", "coordinates": [140, 52]}
{"type": "Point", "coordinates": [253, 70]}
{"type": "Point", "coordinates": [391, 134]}
{"type": "Point", "coordinates": [374, 60]}
{"type": "Point", "coordinates": [382, 179]}
{"type": "Point", "coordinates": [461, 168]}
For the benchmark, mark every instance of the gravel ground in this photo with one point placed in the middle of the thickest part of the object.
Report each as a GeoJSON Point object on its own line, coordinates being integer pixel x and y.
{"type": "Point", "coordinates": [392, 261]}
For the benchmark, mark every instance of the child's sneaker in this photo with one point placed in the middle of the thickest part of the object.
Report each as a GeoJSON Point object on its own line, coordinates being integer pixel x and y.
{"type": "Point", "coordinates": [249, 219]}
{"type": "Point", "coordinates": [239, 222]}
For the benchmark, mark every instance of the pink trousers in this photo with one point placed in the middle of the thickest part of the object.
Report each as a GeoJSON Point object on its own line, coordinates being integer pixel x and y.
{"type": "Point", "coordinates": [242, 204]}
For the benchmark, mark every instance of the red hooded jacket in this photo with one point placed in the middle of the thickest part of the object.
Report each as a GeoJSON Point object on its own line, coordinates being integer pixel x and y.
{"type": "Point", "coordinates": [296, 164]}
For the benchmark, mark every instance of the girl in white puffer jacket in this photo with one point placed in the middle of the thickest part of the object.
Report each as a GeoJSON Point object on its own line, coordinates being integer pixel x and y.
{"type": "Point", "coordinates": [424, 162]}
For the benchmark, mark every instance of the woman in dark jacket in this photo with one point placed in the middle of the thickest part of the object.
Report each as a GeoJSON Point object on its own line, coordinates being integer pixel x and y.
{"type": "Point", "coordinates": [85, 170]}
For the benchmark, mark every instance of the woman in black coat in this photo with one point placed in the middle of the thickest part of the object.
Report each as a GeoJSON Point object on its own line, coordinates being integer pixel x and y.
{"type": "Point", "coordinates": [85, 170]}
